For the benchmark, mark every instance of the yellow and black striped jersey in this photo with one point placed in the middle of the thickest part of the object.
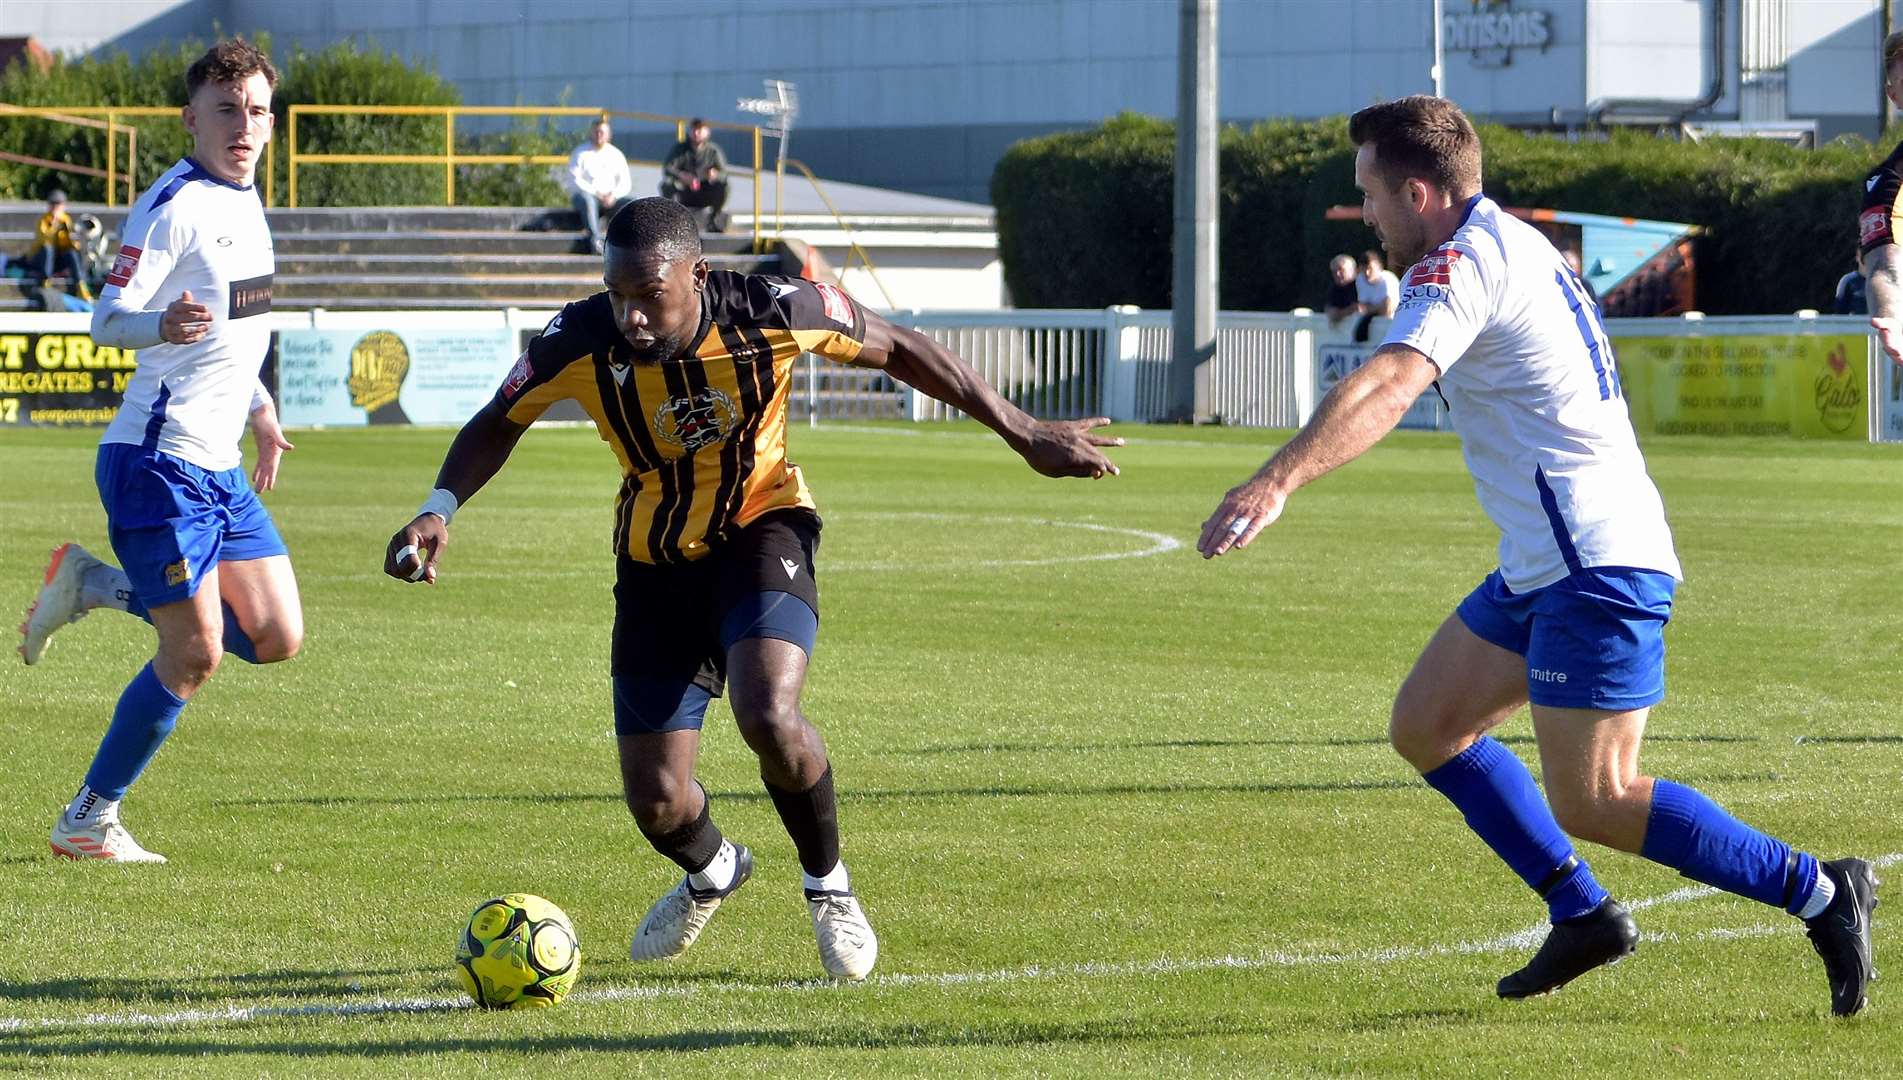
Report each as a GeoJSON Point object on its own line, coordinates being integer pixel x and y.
{"type": "Point", "coordinates": [702, 438]}
{"type": "Point", "coordinates": [1881, 218]}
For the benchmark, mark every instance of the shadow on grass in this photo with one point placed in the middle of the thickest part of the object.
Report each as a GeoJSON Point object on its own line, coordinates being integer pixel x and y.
{"type": "Point", "coordinates": [1230, 744]}
{"type": "Point", "coordinates": [1854, 740]}
{"type": "Point", "coordinates": [1115, 1030]}
{"type": "Point", "coordinates": [858, 796]}
{"type": "Point", "coordinates": [209, 988]}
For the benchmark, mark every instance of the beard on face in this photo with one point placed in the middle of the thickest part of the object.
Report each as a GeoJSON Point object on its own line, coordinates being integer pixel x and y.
{"type": "Point", "coordinates": [663, 347]}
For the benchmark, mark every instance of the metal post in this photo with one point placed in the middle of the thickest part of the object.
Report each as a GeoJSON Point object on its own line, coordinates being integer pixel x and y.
{"type": "Point", "coordinates": [1193, 288]}
{"type": "Point", "coordinates": [112, 152]}
{"type": "Point", "coordinates": [449, 158]}
{"type": "Point", "coordinates": [291, 160]}
{"type": "Point", "coordinates": [756, 188]}
{"type": "Point", "coordinates": [1435, 73]}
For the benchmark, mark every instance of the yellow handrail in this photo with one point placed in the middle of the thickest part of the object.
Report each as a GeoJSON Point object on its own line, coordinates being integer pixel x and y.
{"type": "Point", "coordinates": [851, 244]}
{"type": "Point", "coordinates": [449, 158]}
{"type": "Point", "coordinates": [72, 114]}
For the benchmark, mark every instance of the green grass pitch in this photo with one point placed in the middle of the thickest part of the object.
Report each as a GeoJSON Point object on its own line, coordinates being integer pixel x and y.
{"type": "Point", "coordinates": [1112, 809]}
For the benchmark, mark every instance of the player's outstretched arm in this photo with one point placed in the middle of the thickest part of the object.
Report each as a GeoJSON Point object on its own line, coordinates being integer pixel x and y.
{"type": "Point", "coordinates": [1883, 271]}
{"type": "Point", "coordinates": [478, 452]}
{"type": "Point", "coordinates": [1052, 447]}
{"type": "Point", "coordinates": [1353, 417]}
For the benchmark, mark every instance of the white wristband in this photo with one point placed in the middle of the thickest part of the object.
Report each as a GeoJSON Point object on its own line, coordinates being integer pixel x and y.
{"type": "Point", "coordinates": [441, 502]}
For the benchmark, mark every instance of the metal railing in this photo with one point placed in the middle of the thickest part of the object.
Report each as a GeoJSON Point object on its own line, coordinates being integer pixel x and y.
{"type": "Point", "coordinates": [852, 242]}
{"type": "Point", "coordinates": [450, 158]}
{"type": "Point", "coordinates": [113, 126]}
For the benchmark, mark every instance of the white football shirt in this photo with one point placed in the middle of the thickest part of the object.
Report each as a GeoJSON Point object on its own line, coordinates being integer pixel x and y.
{"type": "Point", "coordinates": [190, 231]}
{"type": "Point", "coordinates": [1533, 390]}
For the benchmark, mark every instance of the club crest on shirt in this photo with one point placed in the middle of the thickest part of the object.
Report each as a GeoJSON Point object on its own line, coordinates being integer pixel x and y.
{"type": "Point", "coordinates": [697, 420]}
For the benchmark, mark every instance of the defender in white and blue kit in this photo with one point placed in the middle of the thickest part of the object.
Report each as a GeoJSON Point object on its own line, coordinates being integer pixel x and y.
{"type": "Point", "coordinates": [203, 562]}
{"type": "Point", "coordinates": [1572, 621]}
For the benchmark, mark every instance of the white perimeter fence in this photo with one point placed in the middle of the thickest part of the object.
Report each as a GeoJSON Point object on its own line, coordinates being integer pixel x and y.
{"type": "Point", "coordinates": [1801, 374]}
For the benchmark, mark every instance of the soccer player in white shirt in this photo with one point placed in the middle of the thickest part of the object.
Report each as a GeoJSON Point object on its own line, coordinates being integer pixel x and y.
{"type": "Point", "coordinates": [203, 562]}
{"type": "Point", "coordinates": [1572, 621]}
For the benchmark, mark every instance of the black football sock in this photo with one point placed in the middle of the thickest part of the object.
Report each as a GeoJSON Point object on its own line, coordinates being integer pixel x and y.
{"type": "Point", "coordinates": [811, 818]}
{"type": "Point", "coordinates": [693, 845]}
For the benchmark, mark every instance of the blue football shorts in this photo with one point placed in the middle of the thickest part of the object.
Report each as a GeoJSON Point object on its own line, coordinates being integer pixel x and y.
{"type": "Point", "coordinates": [171, 521]}
{"type": "Point", "coordinates": [1592, 640]}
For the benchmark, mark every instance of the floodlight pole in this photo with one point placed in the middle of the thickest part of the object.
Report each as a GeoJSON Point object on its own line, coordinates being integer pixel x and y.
{"type": "Point", "coordinates": [1194, 282]}
{"type": "Point", "coordinates": [1437, 72]}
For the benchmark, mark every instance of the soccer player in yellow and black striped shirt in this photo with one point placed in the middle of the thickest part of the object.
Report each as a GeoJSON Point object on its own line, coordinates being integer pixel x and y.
{"type": "Point", "coordinates": [685, 372]}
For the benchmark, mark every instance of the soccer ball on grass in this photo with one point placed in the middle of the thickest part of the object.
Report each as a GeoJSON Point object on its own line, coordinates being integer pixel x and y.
{"type": "Point", "coordinates": [518, 952]}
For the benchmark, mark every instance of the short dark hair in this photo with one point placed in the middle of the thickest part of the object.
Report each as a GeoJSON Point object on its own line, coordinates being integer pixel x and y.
{"type": "Point", "coordinates": [1892, 52]}
{"type": "Point", "coordinates": [656, 226]}
{"type": "Point", "coordinates": [1423, 137]}
{"type": "Point", "coordinates": [231, 60]}
{"type": "Point", "coordinates": [1371, 256]}
{"type": "Point", "coordinates": [698, 121]}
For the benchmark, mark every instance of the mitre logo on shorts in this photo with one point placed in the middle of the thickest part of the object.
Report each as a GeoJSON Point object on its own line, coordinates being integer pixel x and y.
{"type": "Point", "coordinates": [838, 308]}
{"type": "Point", "coordinates": [518, 377]}
{"type": "Point", "coordinates": [1437, 268]}
{"type": "Point", "coordinates": [124, 265]}
{"type": "Point", "coordinates": [1873, 225]}
{"type": "Point", "coordinates": [696, 421]}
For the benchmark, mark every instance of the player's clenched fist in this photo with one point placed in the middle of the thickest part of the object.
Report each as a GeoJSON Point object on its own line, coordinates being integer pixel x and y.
{"type": "Point", "coordinates": [414, 549]}
{"type": "Point", "coordinates": [184, 320]}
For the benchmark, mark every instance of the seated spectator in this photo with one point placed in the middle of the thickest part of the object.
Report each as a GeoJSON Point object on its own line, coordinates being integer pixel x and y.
{"type": "Point", "coordinates": [1341, 289]}
{"type": "Point", "coordinates": [1852, 296]}
{"type": "Point", "coordinates": [695, 175]}
{"type": "Point", "coordinates": [54, 250]}
{"type": "Point", "coordinates": [598, 182]}
{"type": "Point", "coordinates": [1376, 293]}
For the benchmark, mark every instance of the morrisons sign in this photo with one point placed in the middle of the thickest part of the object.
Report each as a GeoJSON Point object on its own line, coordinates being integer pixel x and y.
{"type": "Point", "coordinates": [1494, 29]}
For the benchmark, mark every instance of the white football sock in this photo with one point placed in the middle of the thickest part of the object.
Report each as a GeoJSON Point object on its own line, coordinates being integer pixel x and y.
{"type": "Point", "coordinates": [89, 808]}
{"type": "Point", "coordinates": [1820, 896]}
{"type": "Point", "coordinates": [835, 880]}
{"type": "Point", "coordinates": [105, 585]}
{"type": "Point", "coordinates": [717, 874]}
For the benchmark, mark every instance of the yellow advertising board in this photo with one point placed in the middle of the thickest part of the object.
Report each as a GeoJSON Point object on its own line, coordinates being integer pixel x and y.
{"type": "Point", "coordinates": [1809, 386]}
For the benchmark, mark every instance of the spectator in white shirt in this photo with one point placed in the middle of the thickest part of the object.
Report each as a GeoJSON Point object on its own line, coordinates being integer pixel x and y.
{"type": "Point", "coordinates": [597, 181]}
{"type": "Point", "coordinates": [1376, 293]}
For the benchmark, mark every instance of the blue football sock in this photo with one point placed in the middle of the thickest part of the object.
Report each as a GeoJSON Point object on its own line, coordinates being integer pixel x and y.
{"type": "Point", "coordinates": [146, 714]}
{"type": "Point", "coordinates": [1501, 803]}
{"type": "Point", "coordinates": [1694, 836]}
{"type": "Point", "coordinates": [237, 642]}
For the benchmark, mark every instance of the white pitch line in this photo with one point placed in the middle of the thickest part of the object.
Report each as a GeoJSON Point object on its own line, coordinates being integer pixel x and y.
{"type": "Point", "coordinates": [1517, 941]}
{"type": "Point", "coordinates": [1158, 543]}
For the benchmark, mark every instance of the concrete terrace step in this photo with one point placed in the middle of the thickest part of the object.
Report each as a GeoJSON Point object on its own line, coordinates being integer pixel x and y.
{"type": "Point", "coordinates": [527, 243]}
{"type": "Point", "coordinates": [462, 264]}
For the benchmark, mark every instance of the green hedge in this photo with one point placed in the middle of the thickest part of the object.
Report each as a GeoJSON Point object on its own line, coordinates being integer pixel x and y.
{"type": "Point", "coordinates": [1084, 218]}
{"type": "Point", "coordinates": [341, 74]}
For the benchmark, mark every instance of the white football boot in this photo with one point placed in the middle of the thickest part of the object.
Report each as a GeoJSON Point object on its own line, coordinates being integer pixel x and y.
{"type": "Point", "coordinates": [677, 918]}
{"type": "Point", "coordinates": [59, 601]}
{"type": "Point", "coordinates": [101, 838]}
{"type": "Point", "coordinates": [847, 946]}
